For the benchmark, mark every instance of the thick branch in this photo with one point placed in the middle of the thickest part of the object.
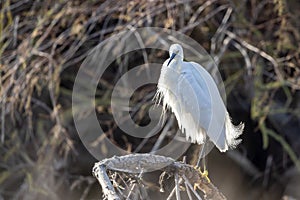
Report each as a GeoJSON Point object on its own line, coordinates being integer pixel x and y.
{"type": "Point", "coordinates": [138, 163]}
{"type": "Point", "coordinates": [99, 172]}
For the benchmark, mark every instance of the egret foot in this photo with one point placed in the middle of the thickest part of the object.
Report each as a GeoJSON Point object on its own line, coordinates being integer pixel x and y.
{"type": "Point", "coordinates": [204, 174]}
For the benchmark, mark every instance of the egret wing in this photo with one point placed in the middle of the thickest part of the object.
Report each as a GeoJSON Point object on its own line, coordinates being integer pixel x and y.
{"type": "Point", "coordinates": [211, 111]}
{"type": "Point", "coordinates": [194, 107]}
{"type": "Point", "coordinates": [221, 130]}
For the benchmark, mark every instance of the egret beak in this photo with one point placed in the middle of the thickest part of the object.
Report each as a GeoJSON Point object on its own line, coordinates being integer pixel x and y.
{"type": "Point", "coordinates": [171, 58]}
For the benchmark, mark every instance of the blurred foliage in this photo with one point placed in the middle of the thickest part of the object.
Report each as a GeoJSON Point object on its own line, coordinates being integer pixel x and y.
{"type": "Point", "coordinates": [42, 44]}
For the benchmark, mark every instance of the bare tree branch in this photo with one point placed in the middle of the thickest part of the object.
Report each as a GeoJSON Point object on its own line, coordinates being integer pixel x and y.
{"type": "Point", "coordinates": [137, 163]}
{"type": "Point", "coordinates": [100, 173]}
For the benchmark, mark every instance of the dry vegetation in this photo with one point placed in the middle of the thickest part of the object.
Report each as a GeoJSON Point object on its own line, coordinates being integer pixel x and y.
{"type": "Point", "coordinates": [43, 43]}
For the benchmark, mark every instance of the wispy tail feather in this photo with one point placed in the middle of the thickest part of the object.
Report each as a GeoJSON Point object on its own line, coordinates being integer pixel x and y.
{"type": "Point", "coordinates": [233, 132]}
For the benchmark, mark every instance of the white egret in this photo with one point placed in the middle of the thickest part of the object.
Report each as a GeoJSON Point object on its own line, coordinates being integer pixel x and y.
{"type": "Point", "coordinates": [192, 95]}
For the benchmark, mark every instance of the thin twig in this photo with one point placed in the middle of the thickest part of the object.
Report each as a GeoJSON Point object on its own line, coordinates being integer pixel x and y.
{"type": "Point", "coordinates": [130, 191]}
{"type": "Point", "coordinates": [246, 57]}
{"type": "Point", "coordinates": [207, 17]}
{"type": "Point", "coordinates": [258, 51]}
{"type": "Point", "coordinates": [220, 30]}
{"type": "Point", "coordinates": [163, 134]}
{"type": "Point", "coordinates": [187, 182]}
{"type": "Point", "coordinates": [171, 194]}
{"type": "Point", "coordinates": [177, 184]}
{"type": "Point", "coordinates": [188, 190]}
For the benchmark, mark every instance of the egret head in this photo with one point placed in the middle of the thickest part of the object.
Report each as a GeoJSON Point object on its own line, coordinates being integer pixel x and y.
{"type": "Point", "coordinates": [175, 52]}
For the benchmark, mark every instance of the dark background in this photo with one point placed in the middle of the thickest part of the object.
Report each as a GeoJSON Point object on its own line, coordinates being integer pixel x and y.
{"type": "Point", "coordinates": [43, 43]}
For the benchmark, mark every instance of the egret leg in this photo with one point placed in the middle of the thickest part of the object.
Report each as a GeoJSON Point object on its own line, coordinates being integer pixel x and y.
{"type": "Point", "coordinates": [202, 161]}
{"type": "Point", "coordinates": [201, 157]}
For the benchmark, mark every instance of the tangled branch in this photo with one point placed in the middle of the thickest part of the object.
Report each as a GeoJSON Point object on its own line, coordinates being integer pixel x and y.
{"type": "Point", "coordinates": [140, 163]}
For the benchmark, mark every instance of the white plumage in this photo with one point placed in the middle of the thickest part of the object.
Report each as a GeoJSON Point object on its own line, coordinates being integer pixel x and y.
{"type": "Point", "coordinates": [190, 92]}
